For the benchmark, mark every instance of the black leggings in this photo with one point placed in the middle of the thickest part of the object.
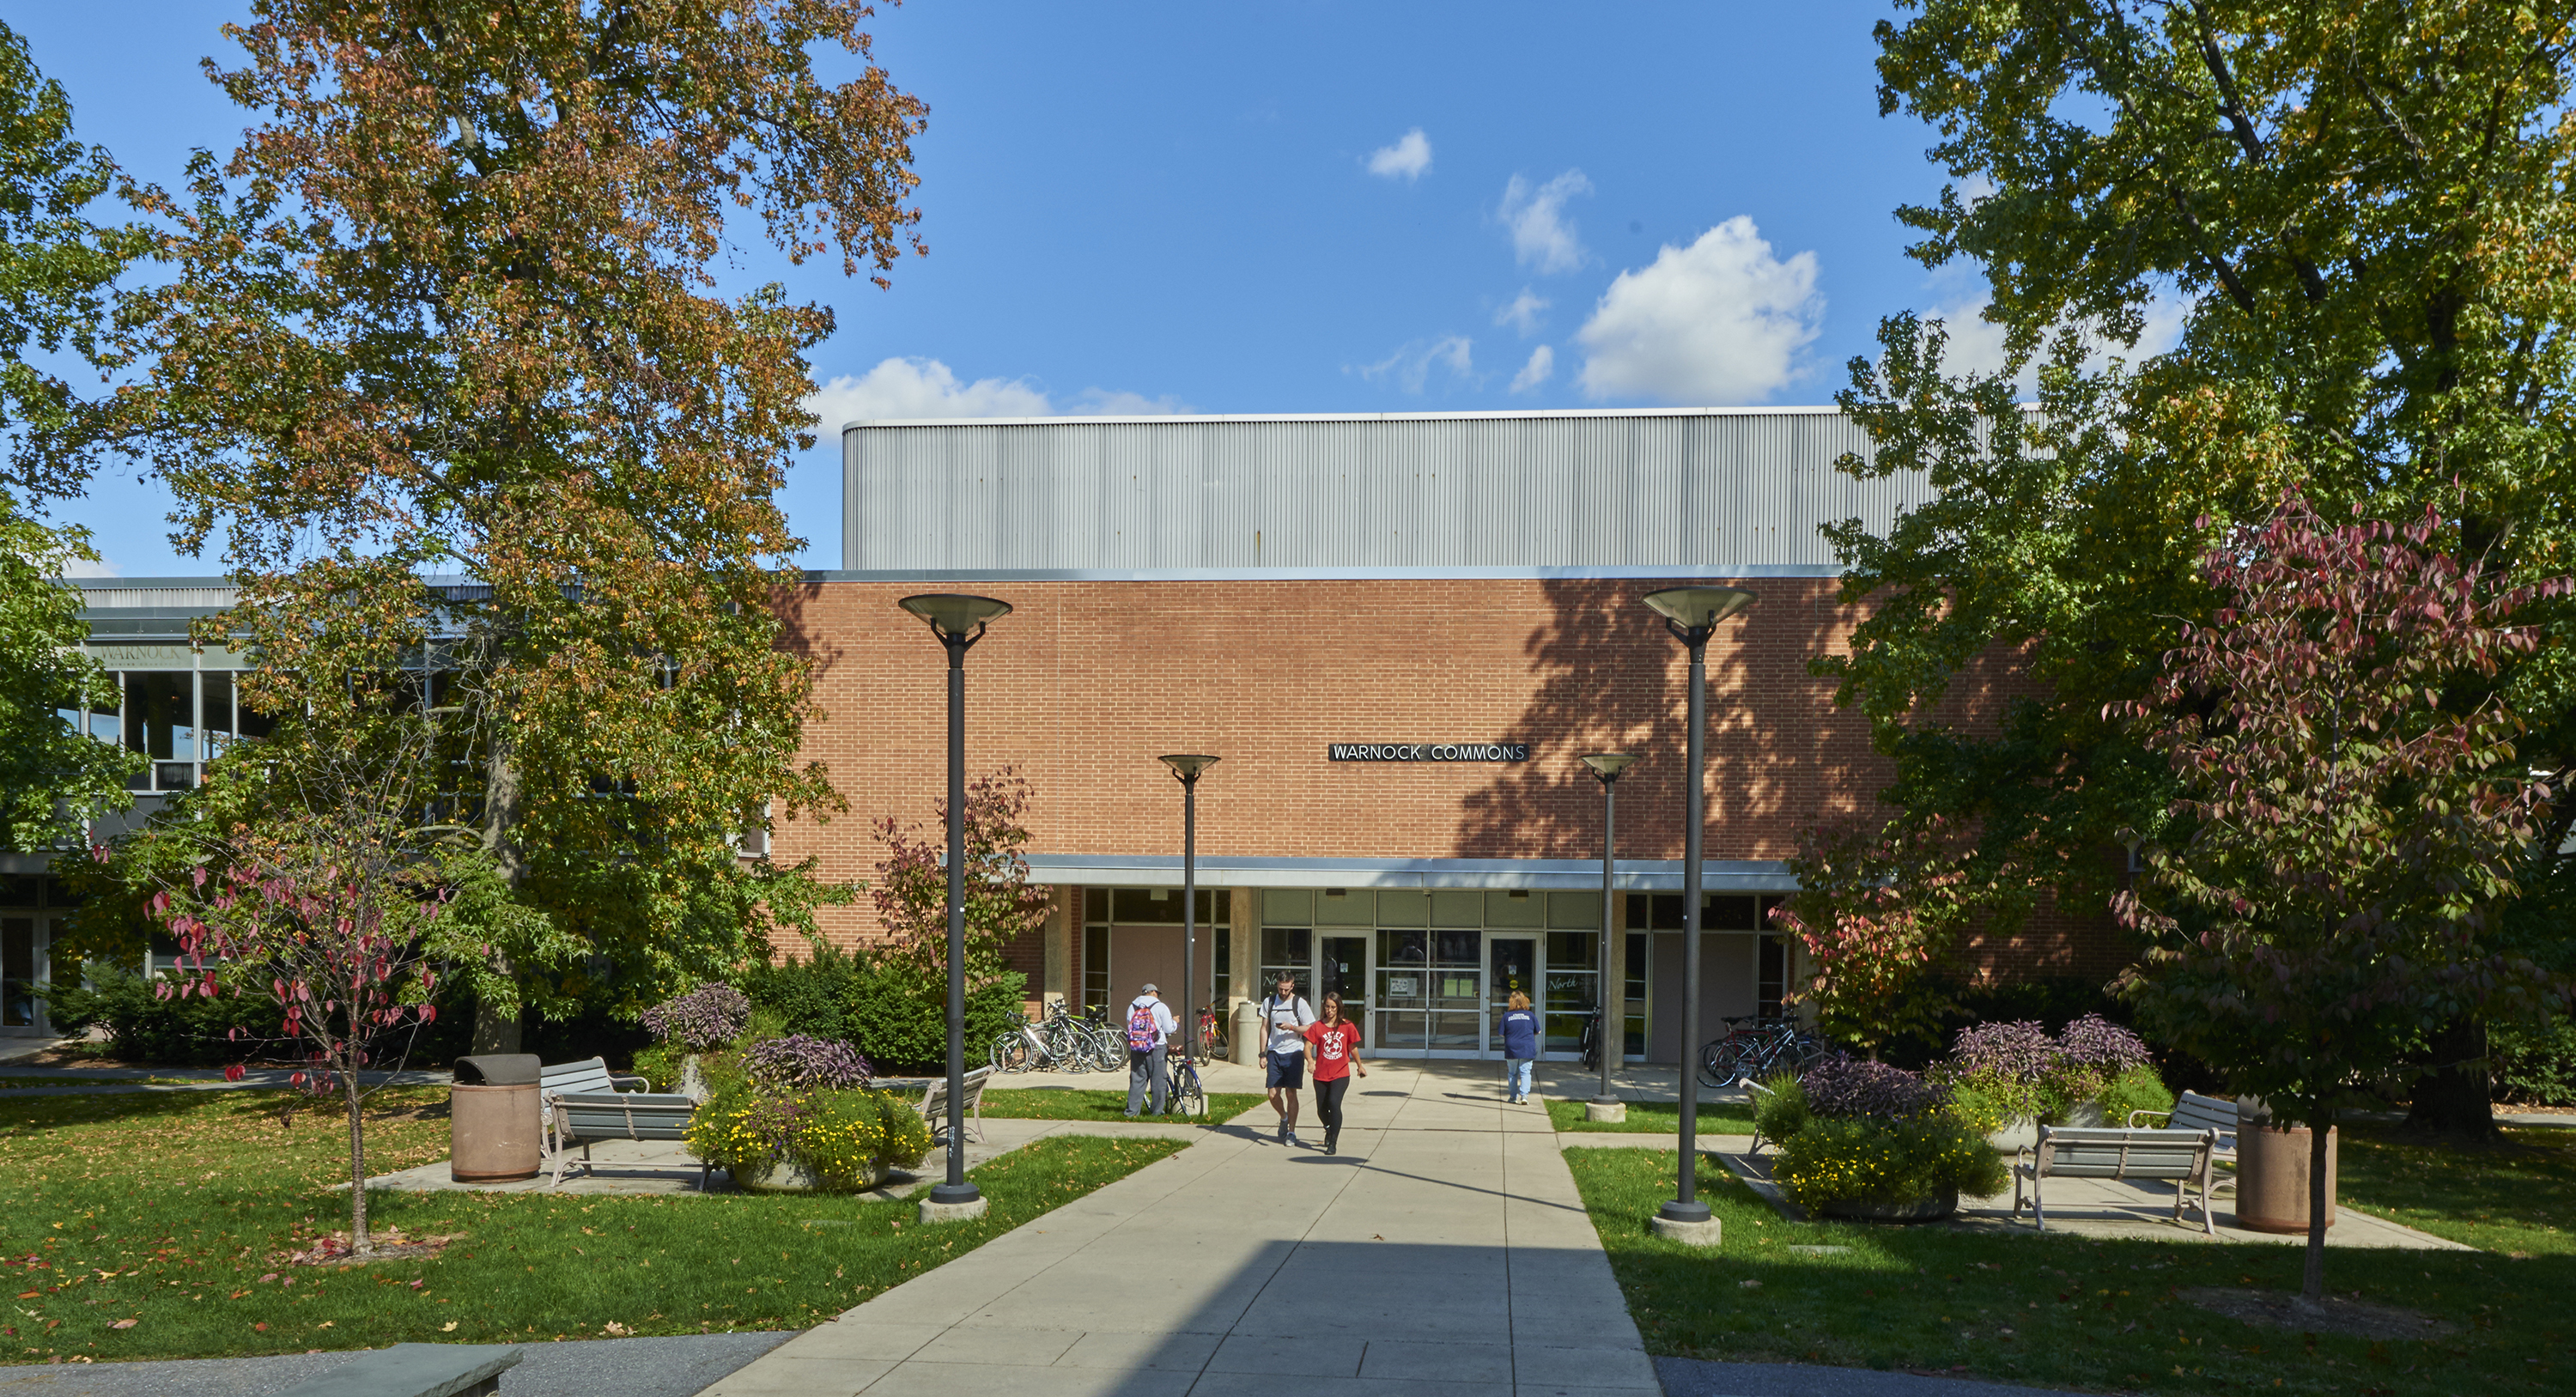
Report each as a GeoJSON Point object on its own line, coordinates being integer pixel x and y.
{"type": "Point", "coordinates": [1328, 1104]}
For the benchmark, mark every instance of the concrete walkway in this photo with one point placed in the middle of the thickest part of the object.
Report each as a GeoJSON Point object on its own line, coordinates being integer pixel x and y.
{"type": "Point", "coordinates": [1445, 1250]}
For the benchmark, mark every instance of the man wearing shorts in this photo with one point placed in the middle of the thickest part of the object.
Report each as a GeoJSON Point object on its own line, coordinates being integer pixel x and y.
{"type": "Point", "coordinates": [1284, 1018]}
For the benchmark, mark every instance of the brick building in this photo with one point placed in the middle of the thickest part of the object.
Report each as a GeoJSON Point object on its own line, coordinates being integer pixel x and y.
{"type": "Point", "coordinates": [1288, 593]}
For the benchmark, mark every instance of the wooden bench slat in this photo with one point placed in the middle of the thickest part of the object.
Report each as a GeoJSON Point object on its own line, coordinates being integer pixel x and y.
{"type": "Point", "coordinates": [2167, 1153]}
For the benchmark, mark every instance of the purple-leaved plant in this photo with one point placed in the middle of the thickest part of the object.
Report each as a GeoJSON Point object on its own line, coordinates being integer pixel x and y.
{"type": "Point", "coordinates": [702, 1020]}
{"type": "Point", "coordinates": [2095, 1044]}
{"type": "Point", "coordinates": [1842, 1086]}
{"type": "Point", "coordinates": [2020, 1053]}
{"type": "Point", "coordinates": [802, 1062]}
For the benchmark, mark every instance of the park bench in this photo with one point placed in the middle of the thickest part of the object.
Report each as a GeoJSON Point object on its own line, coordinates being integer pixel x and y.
{"type": "Point", "coordinates": [2182, 1155]}
{"type": "Point", "coordinates": [583, 1105]}
{"type": "Point", "coordinates": [2193, 1111]}
{"type": "Point", "coordinates": [415, 1370]}
{"type": "Point", "coordinates": [934, 1105]}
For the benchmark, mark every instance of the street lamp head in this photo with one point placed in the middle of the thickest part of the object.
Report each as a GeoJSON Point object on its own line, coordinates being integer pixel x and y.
{"type": "Point", "coordinates": [1693, 612]}
{"type": "Point", "coordinates": [1187, 766]}
{"type": "Point", "coordinates": [954, 615]}
{"type": "Point", "coordinates": [1608, 765]}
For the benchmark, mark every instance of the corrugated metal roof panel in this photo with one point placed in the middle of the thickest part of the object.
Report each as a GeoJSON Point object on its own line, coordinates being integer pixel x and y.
{"type": "Point", "coordinates": [1625, 491]}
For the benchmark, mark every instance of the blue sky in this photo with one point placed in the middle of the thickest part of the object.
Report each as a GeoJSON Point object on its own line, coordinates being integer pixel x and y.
{"type": "Point", "coordinates": [1285, 207]}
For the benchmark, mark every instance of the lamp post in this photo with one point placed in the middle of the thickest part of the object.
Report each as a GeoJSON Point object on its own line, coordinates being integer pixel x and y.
{"type": "Point", "coordinates": [1606, 767]}
{"type": "Point", "coordinates": [959, 622]}
{"type": "Point", "coordinates": [1692, 614]}
{"type": "Point", "coordinates": [1187, 767]}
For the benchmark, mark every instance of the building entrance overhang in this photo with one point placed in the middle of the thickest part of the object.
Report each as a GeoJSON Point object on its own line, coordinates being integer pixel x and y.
{"type": "Point", "coordinates": [1568, 875]}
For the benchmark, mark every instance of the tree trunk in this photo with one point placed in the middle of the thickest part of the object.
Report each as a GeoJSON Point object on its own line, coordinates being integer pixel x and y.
{"type": "Point", "coordinates": [2312, 1283]}
{"type": "Point", "coordinates": [494, 1030]}
{"type": "Point", "coordinates": [2456, 1098]}
{"type": "Point", "coordinates": [359, 1245]}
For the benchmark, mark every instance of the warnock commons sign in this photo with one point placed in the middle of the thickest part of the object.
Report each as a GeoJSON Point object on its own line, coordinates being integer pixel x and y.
{"type": "Point", "coordinates": [1428, 751]}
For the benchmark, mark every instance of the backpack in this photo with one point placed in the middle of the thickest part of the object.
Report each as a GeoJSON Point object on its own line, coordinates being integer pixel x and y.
{"type": "Point", "coordinates": [1140, 1028]}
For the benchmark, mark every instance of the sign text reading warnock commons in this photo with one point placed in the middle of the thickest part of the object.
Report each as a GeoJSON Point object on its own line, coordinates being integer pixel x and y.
{"type": "Point", "coordinates": [1428, 751]}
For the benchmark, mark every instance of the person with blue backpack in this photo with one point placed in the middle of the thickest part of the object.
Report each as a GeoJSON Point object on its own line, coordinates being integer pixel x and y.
{"type": "Point", "coordinates": [1520, 1047]}
{"type": "Point", "coordinates": [1149, 1035]}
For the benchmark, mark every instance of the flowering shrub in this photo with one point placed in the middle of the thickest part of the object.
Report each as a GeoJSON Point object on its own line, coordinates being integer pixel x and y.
{"type": "Point", "coordinates": [801, 1062]}
{"type": "Point", "coordinates": [1870, 1160]}
{"type": "Point", "coordinates": [1843, 1087]}
{"type": "Point", "coordinates": [707, 1017]}
{"type": "Point", "coordinates": [843, 1137]}
{"type": "Point", "coordinates": [2019, 1053]}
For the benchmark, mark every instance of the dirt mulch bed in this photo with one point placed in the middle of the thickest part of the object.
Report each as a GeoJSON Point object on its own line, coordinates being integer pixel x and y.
{"type": "Point", "coordinates": [2354, 1318]}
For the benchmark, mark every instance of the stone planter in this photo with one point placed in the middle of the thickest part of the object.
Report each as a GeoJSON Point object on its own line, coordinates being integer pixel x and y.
{"type": "Point", "coordinates": [1931, 1209]}
{"type": "Point", "coordinates": [788, 1176]}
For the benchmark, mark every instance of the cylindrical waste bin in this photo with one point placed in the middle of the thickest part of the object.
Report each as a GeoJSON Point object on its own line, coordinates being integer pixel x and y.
{"type": "Point", "coordinates": [2272, 1172]}
{"type": "Point", "coordinates": [1247, 1035]}
{"type": "Point", "coordinates": [493, 1133]}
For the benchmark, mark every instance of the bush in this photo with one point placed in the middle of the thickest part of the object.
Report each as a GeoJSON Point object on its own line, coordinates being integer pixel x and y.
{"type": "Point", "coordinates": [1780, 1108]}
{"type": "Point", "coordinates": [2534, 1063]}
{"type": "Point", "coordinates": [1843, 1087]}
{"type": "Point", "coordinates": [1882, 1161]}
{"type": "Point", "coordinates": [709, 1016]}
{"type": "Point", "coordinates": [2137, 1089]}
{"type": "Point", "coordinates": [843, 1137]}
{"type": "Point", "coordinates": [802, 1062]}
{"type": "Point", "coordinates": [894, 1012]}
{"type": "Point", "coordinates": [143, 1027]}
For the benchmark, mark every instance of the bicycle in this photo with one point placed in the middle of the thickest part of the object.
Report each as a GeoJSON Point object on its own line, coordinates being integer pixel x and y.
{"type": "Point", "coordinates": [1592, 1041]}
{"type": "Point", "coordinates": [1107, 1046]}
{"type": "Point", "coordinates": [1059, 1041]}
{"type": "Point", "coordinates": [1211, 1035]}
{"type": "Point", "coordinates": [1189, 1095]}
{"type": "Point", "coordinates": [1754, 1048]}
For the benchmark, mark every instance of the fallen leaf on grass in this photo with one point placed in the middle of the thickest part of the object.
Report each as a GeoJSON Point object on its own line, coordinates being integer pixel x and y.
{"type": "Point", "coordinates": [124, 1324]}
{"type": "Point", "coordinates": [326, 1324]}
{"type": "Point", "coordinates": [30, 1295]}
{"type": "Point", "coordinates": [261, 1327]}
{"type": "Point", "coordinates": [447, 1328]}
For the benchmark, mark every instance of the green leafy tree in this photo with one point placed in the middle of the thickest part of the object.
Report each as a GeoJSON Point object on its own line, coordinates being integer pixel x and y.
{"type": "Point", "coordinates": [440, 360]}
{"type": "Point", "coordinates": [2348, 824]}
{"type": "Point", "coordinates": [1875, 909]}
{"type": "Point", "coordinates": [2357, 220]}
{"type": "Point", "coordinates": [911, 888]}
{"type": "Point", "coordinates": [56, 271]}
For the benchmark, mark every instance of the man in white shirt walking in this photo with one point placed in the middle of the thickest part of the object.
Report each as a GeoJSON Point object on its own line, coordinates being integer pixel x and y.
{"type": "Point", "coordinates": [1149, 1035]}
{"type": "Point", "coordinates": [1284, 1018]}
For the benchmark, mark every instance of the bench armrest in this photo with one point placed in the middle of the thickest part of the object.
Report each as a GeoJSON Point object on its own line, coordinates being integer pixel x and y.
{"type": "Point", "coordinates": [641, 1083]}
{"type": "Point", "coordinates": [2135, 1116]}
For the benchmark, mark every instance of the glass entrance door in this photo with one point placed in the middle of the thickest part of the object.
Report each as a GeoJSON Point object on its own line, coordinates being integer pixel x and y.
{"type": "Point", "coordinates": [18, 950]}
{"type": "Point", "coordinates": [1343, 969]}
{"type": "Point", "coordinates": [1511, 966]}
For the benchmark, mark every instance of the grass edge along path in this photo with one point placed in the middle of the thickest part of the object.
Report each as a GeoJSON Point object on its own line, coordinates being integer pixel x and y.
{"type": "Point", "coordinates": [1096, 1104]}
{"type": "Point", "coordinates": [1652, 1118]}
{"type": "Point", "coordinates": [2058, 1310]}
{"type": "Point", "coordinates": [174, 1216]}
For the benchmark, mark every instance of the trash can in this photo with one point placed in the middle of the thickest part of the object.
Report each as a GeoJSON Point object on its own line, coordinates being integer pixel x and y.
{"type": "Point", "coordinates": [1246, 1039]}
{"type": "Point", "coordinates": [2272, 1172]}
{"type": "Point", "coordinates": [493, 1132]}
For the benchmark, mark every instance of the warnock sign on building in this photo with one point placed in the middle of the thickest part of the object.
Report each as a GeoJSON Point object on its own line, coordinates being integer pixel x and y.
{"type": "Point", "coordinates": [1428, 751]}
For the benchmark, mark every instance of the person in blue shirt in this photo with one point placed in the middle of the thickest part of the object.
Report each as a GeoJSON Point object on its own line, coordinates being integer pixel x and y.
{"type": "Point", "coordinates": [1520, 1047]}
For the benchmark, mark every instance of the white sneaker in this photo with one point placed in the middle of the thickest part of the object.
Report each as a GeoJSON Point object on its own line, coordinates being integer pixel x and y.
{"type": "Point", "coordinates": [1294, 1142]}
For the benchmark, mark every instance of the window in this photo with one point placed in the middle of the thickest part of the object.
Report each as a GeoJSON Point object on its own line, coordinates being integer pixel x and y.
{"type": "Point", "coordinates": [1772, 980]}
{"type": "Point", "coordinates": [1290, 951]}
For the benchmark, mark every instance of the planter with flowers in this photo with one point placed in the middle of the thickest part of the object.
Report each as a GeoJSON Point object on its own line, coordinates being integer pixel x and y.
{"type": "Point", "coordinates": [799, 1119]}
{"type": "Point", "coordinates": [1869, 1141]}
{"type": "Point", "coordinates": [2008, 1079]}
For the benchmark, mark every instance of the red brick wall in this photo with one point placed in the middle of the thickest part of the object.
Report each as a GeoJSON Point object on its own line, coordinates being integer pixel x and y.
{"type": "Point", "coordinates": [1086, 682]}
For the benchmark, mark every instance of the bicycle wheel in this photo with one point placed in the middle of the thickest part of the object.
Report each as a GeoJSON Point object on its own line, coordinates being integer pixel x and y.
{"type": "Point", "coordinates": [1108, 1050]}
{"type": "Point", "coordinates": [1010, 1053]}
{"type": "Point", "coordinates": [1721, 1063]}
{"type": "Point", "coordinates": [1592, 1044]}
{"type": "Point", "coordinates": [1069, 1049]}
{"type": "Point", "coordinates": [1189, 1097]}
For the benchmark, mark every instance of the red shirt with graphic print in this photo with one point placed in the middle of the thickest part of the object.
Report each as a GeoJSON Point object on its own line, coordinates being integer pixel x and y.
{"type": "Point", "coordinates": [1333, 1046]}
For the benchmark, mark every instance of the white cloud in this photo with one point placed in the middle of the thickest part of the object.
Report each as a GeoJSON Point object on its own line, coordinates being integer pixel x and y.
{"type": "Point", "coordinates": [1410, 368]}
{"type": "Point", "coordinates": [83, 567]}
{"type": "Point", "coordinates": [1408, 159]}
{"type": "Point", "coordinates": [1719, 322]}
{"type": "Point", "coordinates": [1542, 363]}
{"type": "Point", "coordinates": [1541, 236]}
{"type": "Point", "coordinates": [1976, 344]}
{"type": "Point", "coordinates": [1522, 313]}
{"type": "Point", "coordinates": [928, 388]}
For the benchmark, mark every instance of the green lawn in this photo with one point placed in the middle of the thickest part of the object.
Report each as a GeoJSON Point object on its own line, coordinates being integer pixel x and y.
{"type": "Point", "coordinates": [2062, 1310]}
{"type": "Point", "coordinates": [170, 1211]}
{"type": "Point", "coordinates": [1083, 1104]}
{"type": "Point", "coordinates": [1657, 1118]}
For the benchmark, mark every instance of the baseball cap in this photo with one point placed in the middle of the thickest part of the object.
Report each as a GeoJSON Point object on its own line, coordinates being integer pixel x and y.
{"type": "Point", "coordinates": [1149, 989]}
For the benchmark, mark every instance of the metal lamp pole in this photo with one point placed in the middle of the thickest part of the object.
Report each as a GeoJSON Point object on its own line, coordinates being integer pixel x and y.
{"type": "Point", "coordinates": [1692, 615]}
{"type": "Point", "coordinates": [959, 622]}
{"type": "Point", "coordinates": [1187, 767]}
{"type": "Point", "coordinates": [1606, 767]}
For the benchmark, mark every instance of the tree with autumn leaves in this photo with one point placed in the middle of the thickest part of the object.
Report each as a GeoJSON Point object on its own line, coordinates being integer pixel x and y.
{"type": "Point", "coordinates": [2354, 813]}
{"type": "Point", "coordinates": [438, 362]}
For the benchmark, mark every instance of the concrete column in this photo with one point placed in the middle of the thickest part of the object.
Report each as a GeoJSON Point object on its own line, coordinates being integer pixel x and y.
{"type": "Point", "coordinates": [1057, 982]}
{"type": "Point", "coordinates": [1247, 946]}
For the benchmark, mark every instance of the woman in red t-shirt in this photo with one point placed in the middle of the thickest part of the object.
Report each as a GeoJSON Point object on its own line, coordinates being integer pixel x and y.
{"type": "Point", "coordinates": [1337, 1051]}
